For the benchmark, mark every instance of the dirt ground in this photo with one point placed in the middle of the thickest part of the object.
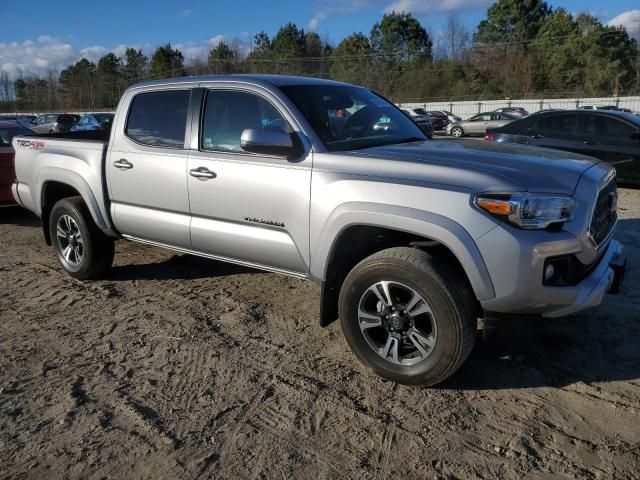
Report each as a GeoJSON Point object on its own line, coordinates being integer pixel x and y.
{"type": "Point", "coordinates": [179, 367]}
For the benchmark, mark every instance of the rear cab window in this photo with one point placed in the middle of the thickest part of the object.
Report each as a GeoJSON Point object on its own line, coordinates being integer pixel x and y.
{"type": "Point", "coordinates": [159, 118]}
{"type": "Point", "coordinates": [7, 134]}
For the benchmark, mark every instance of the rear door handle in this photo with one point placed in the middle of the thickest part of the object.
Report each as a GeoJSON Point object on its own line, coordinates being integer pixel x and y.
{"type": "Point", "coordinates": [589, 142]}
{"type": "Point", "coordinates": [123, 164]}
{"type": "Point", "coordinates": [202, 173]}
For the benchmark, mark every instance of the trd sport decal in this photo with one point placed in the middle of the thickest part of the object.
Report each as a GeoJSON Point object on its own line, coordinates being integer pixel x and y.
{"type": "Point", "coordinates": [32, 144]}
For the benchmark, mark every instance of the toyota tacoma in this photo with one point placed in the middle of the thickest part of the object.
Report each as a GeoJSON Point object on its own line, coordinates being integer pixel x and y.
{"type": "Point", "coordinates": [411, 240]}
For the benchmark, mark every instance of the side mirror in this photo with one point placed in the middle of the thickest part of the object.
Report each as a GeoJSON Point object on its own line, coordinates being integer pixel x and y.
{"type": "Point", "coordinates": [274, 142]}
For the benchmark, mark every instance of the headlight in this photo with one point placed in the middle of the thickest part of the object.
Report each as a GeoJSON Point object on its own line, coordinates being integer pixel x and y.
{"type": "Point", "coordinates": [528, 211]}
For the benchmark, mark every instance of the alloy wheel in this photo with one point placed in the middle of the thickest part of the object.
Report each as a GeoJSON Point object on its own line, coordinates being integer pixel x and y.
{"type": "Point", "coordinates": [397, 322]}
{"type": "Point", "coordinates": [70, 240]}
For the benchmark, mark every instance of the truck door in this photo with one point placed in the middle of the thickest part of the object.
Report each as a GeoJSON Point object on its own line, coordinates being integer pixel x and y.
{"type": "Point", "coordinates": [244, 206]}
{"type": "Point", "coordinates": [146, 168]}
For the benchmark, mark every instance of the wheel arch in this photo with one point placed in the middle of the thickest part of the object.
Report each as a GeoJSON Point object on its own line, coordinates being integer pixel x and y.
{"type": "Point", "coordinates": [396, 226]}
{"type": "Point", "coordinates": [56, 184]}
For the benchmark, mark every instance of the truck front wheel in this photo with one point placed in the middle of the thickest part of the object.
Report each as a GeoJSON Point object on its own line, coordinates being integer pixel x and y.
{"type": "Point", "coordinates": [82, 249]}
{"type": "Point", "coordinates": [408, 316]}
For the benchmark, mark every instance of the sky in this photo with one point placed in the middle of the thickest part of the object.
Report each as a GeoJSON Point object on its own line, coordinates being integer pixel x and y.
{"type": "Point", "coordinates": [39, 35]}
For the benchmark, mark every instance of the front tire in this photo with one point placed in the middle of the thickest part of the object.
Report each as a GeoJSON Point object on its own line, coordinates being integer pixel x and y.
{"type": "Point", "coordinates": [82, 249]}
{"type": "Point", "coordinates": [408, 316]}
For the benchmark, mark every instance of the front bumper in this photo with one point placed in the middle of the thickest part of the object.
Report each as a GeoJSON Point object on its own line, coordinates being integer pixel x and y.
{"type": "Point", "coordinates": [517, 269]}
{"type": "Point", "coordinates": [607, 277]}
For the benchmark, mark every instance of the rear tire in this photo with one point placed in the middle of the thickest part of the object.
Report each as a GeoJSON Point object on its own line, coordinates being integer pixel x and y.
{"type": "Point", "coordinates": [387, 336]}
{"type": "Point", "coordinates": [82, 249]}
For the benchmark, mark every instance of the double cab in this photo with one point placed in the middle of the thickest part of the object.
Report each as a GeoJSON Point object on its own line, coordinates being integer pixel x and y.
{"type": "Point", "coordinates": [412, 240]}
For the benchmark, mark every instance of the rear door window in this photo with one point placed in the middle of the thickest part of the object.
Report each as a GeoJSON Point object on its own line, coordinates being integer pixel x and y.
{"type": "Point", "coordinates": [159, 119]}
{"type": "Point", "coordinates": [518, 127]}
{"type": "Point", "coordinates": [557, 126]}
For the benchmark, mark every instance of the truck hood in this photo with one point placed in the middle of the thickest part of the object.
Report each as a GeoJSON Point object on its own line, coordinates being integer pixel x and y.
{"type": "Point", "coordinates": [480, 166]}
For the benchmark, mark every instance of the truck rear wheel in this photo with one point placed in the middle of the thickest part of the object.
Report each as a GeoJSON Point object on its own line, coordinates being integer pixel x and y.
{"type": "Point", "coordinates": [408, 316]}
{"type": "Point", "coordinates": [82, 249]}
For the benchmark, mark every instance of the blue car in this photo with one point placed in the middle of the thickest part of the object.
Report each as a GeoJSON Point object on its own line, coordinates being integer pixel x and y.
{"type": "Point", "coordinates": [93, 121]}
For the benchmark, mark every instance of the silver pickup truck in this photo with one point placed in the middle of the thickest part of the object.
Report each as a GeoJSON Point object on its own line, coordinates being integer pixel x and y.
{"type": "Point", "coordinates": [412, 240]}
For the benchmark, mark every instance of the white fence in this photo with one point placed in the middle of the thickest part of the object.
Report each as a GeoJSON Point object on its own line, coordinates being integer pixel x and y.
{"type": "Point", "coordinates": [469, 108]}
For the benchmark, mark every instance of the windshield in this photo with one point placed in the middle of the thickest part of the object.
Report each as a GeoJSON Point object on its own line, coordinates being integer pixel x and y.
{"type": "Point", "coordinates": [420, 111]}
{"type": "Point", "coordinates": [350, 118]}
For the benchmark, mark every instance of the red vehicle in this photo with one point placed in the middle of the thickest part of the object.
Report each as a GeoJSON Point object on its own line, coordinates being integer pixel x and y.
{"type": "Point", "coordinates": [8, 130]}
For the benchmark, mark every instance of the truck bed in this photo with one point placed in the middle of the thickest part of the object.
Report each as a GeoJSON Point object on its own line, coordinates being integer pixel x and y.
{"type": "Point", "coordinates": [73, 158]}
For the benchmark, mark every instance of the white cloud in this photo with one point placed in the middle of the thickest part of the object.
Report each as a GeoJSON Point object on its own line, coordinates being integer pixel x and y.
{"type": "Point", "coordinates": [421, 7]}
{"type": "Point", "coordinates": [242, 42]}
{"type": "Point", "coordinates": [215, 41]}
{"type": "Point", "coordinates": [93, 53]}
{"type": "Point", "coordinates": [192, 51]}
{"type": "Point", "coordinates": [332, 8]}
{"type": "Point", "coordinates": [35, 56]}
{"type": "Point", "coordinates": [629, 20]}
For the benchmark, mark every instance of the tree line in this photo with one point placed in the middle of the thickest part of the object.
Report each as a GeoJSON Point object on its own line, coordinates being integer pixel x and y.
{"type": "Point", "coordinates": [522, 47]}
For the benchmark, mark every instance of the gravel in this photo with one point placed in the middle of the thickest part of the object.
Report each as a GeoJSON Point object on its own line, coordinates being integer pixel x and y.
{"type": "Point", "coordinates": [178, 367]}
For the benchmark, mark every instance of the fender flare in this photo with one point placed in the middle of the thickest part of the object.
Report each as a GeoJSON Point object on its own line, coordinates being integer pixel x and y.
{"type": "Point", "coordinates": [419, 222]}
{"type": "Point", "coordinates": [73, 179]}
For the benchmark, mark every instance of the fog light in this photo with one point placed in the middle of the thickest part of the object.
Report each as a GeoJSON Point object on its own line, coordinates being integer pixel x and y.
{"type": "Point", "coordinates": [549, 272]}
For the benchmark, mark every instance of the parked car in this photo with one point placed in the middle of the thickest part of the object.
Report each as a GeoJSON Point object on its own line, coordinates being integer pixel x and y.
{"type": "Point", "coordinates": [411, 240]}
{"type": "Point", "coordinates": [478, 124]}
{"type": "Point", "coordinates": [423, 121]}
{"type": "Point", "coordinates": [54, 122]}
{"type": "Point", "coordinates": [438, 120]}
{"type": "Point", "coordinates": [610, 136]}
{"type": "Point", "coordinates": [8, 130]}
{"type": "Point", "coordinates": [519, 111]}
{"type": "Point", "coordinates": [450, 117]}
{"type": "Point", "coordinates": [93, 121]}
{"type": "Point", "coordinates": [598, 107]}
{"type": "Point", "coordinates": [24, 120]}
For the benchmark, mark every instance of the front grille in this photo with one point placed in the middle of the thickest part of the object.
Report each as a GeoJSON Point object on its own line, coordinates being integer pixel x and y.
{"type": "Point", "coordinates": [605, 213]}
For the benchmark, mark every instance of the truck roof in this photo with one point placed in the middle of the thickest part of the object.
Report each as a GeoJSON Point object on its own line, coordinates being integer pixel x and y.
{"type": "Point", "coordinates": [277, 80]}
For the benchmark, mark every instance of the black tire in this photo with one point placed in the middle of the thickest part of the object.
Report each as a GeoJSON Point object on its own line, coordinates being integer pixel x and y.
{"type": "Point", "coordinates": [442, 287]}
{"type": "Point", "coordinates": [97, 248]}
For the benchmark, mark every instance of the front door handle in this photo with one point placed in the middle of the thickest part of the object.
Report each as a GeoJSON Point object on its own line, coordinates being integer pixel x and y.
{"type": "Point", "coordinates": [589, 142]}
{"type": "Point", "coordinates": [202, 173]}
{"type": "Point", "coordinates": [123, 164]}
